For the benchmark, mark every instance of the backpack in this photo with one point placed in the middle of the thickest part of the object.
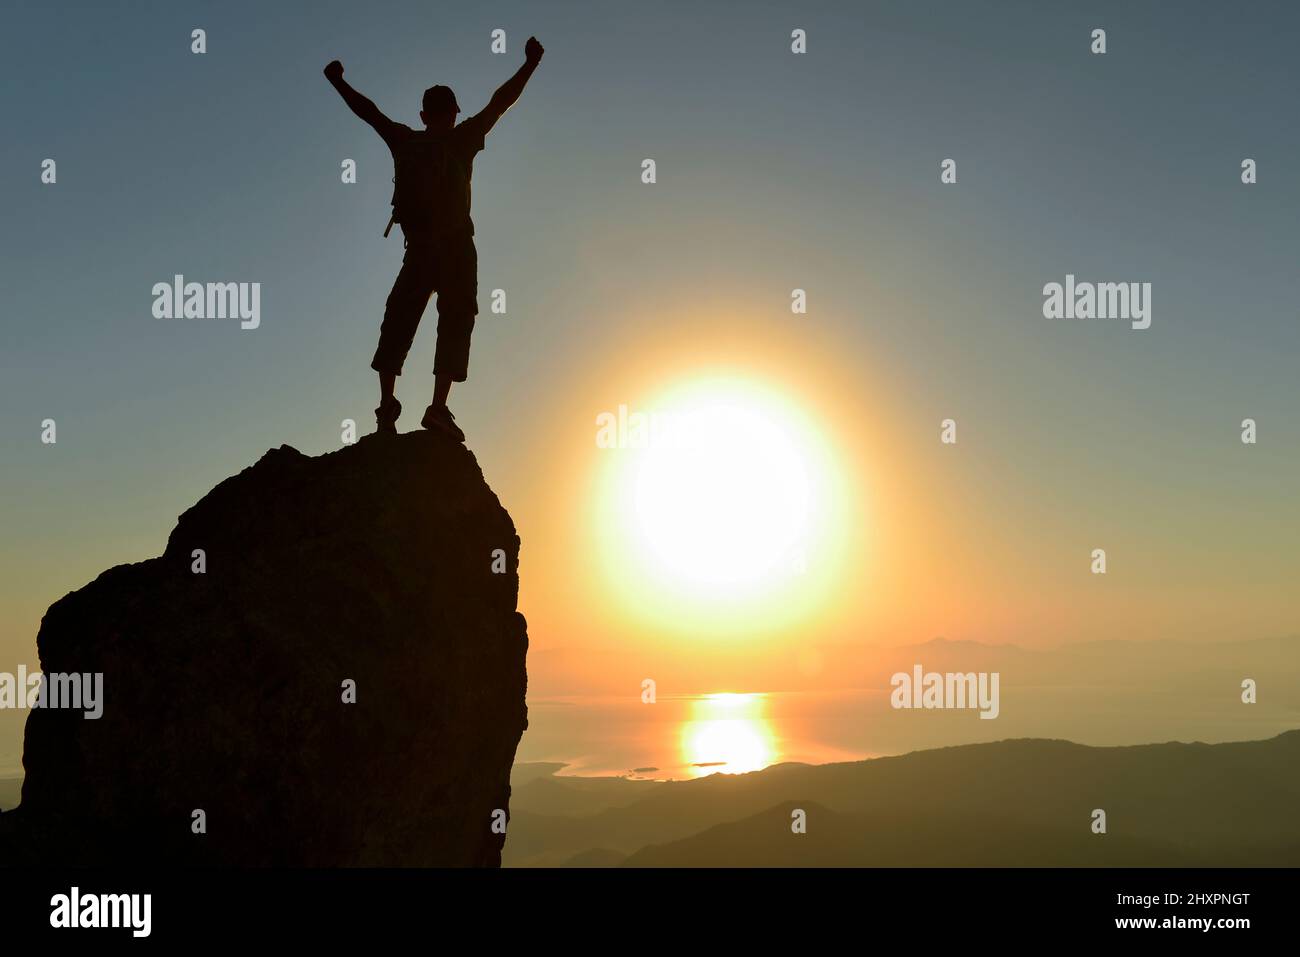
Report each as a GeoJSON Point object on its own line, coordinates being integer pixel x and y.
{"type": "Point", "coordinates": [419, 181]}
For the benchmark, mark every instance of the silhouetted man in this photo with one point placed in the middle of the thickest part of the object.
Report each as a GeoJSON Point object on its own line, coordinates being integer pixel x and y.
{"type": "Point", "coordinates": [432, 168]}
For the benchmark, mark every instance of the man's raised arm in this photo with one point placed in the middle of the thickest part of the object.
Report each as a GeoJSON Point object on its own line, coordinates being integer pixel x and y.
{"type": "Point", "coordinates": [360, 105]}
{"type": "Point", "coordinates": [509, 93]}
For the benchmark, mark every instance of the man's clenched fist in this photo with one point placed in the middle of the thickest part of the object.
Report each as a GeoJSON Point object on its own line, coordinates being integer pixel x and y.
{"type": "Point", "coordinates": [533, 50]}
{"type": "Point", "coordinates": [334, 71]}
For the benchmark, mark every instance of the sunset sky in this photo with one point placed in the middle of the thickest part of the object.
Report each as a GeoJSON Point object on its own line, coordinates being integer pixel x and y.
{"type": "Point", "coordinates": [775, 171]}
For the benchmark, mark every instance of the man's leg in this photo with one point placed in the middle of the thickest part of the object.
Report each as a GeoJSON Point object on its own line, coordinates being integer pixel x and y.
{"type": "Point", "coordinates": [406, 303]}
{"type": "Point", "coordinates": [450, 366]}
{"type": "Point", "coordinates": [441, 388]}
{"type": "Point", "coordinates": [457, 307]}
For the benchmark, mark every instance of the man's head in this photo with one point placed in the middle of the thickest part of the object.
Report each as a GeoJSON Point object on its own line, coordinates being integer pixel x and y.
{"type": "Point", "coordinates": [440, 108]}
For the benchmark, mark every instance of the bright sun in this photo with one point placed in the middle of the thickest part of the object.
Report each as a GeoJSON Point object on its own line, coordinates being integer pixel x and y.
{"type": "Point", "coordinates": [723, 492]}
{"type": "Point", "coordinates": [730, 505]}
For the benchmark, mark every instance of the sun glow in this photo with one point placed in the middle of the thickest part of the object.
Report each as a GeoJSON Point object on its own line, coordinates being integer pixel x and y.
{"type": "Point", "coordinates": [720, 495]}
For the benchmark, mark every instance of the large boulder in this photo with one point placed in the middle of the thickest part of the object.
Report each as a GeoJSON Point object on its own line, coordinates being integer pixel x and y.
{"type": "Point", "coordinates": [389, 566]}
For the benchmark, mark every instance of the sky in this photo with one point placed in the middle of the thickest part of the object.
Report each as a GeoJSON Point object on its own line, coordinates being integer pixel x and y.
{"type": "Point", "coordinates": [775, 171]}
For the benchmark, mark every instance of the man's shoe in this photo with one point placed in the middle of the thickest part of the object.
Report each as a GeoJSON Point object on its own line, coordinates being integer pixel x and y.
{"type": "Point", "coordinates": [386, 415]}
{"type": "Point", "coordinates": [438, 418]}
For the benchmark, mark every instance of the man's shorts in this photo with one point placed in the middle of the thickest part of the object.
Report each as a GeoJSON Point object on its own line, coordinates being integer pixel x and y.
{"type": "Point", "coordinates": [447, 265]}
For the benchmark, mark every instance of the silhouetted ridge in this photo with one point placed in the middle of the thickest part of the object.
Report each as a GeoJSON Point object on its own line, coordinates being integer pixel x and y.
{"type": "Point", "coordinates": [1014, 803]}
{"type": "Point", "coordinates": [223, 691]}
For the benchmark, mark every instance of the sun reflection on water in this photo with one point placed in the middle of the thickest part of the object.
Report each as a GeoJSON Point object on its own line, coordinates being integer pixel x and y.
{"type": "Point", "coordinates": [727, 732]}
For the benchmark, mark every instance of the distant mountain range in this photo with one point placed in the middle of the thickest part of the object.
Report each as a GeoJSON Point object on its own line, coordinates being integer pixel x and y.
{"type": "Point", "coordinates": [1025, 802]}
{"type": "Point", "coordinates": [1167, 664]}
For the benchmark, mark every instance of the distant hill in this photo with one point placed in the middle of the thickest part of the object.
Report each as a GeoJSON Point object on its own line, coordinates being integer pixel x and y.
{"type": "Point", "coordinates": [1025, 802]}
{"type": "Point", "coordinates": [577, 796]}
{"type": "Point", "coordinates": [601, 857]}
